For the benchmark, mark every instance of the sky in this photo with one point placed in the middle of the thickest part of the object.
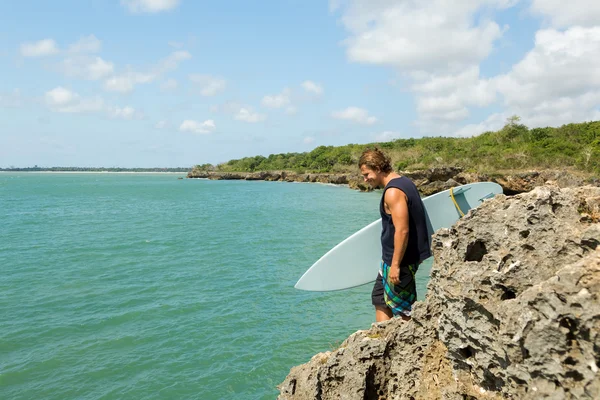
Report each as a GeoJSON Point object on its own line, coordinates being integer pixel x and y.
{"type": "Point", "coordinates": [175, 83]}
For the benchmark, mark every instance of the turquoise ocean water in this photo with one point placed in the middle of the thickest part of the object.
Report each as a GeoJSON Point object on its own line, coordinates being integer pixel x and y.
{"type": "Point", "coordinates": [143, 286]}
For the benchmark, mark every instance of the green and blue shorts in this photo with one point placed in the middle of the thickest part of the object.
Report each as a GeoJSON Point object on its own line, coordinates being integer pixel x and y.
{"type": "Point", "coordinates": [399, 298]}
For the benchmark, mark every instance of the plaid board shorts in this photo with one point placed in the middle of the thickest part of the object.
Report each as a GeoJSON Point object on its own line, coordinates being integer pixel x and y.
{"type": "Point", "coordinates": [399, 298]}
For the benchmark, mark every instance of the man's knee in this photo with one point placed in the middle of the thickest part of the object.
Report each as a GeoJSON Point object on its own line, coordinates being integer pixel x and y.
{"type": "Point", "coordinates": [383, 313]}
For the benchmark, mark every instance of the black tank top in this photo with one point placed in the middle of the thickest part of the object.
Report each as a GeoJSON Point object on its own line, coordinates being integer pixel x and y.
{"type": "Point", "coordinates": [418, 247]}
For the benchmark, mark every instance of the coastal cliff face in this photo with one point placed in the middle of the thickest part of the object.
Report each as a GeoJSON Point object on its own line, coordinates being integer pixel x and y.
{"type": "Point", "coordinates": [428, 181]}
{"type": "Point", "coordinates": [512, 311]}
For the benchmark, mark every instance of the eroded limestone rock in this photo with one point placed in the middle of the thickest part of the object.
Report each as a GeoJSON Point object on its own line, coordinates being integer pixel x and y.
{"type": "Point", "coordinates": [512, 311]}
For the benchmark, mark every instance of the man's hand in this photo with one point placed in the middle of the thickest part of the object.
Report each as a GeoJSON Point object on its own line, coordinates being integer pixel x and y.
{"type": "Point", "coordinates": [394, 275]}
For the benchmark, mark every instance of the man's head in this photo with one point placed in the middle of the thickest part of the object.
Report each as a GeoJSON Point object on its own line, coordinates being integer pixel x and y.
{"type": "Point", "coordinates": [374, 166]}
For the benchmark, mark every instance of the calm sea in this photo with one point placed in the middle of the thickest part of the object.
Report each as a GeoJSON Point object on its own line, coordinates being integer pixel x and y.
{"type": "Point", "coordinates": [145, 286]}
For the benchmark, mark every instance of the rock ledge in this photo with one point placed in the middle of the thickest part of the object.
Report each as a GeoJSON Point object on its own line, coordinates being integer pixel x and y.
{"type": "Point", "coordinates": [512, 311]}
{"type": "Point", "coordinates": [429, 181]}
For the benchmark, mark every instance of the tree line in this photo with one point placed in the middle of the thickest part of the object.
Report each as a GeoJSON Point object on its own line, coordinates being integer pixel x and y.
{"type": "Point", "coordinates": [513, 147]}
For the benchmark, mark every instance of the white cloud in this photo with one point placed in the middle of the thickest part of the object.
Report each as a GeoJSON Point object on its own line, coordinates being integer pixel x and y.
{"type": "Point", "coordinates": [447, 98]}
{"type": "Point", "coordinates": [86, 44]}
{"type": "Point", "coordinates": [149, 6]}
{"type": "Point", "coordinates": [123, 84]}
{"type": "Point", "coordinates": [468, 83]}
{"type": "Point", "coordinates": [308, 140]}
{"type": "Point", "coordinates": [41, 48]}
{"type": "Point", "coordinates": [428, 36]}
{"type": "Point", "coordinates": [247, 115]}
{"type": "Point", "coordinates": [355, 114]}
{"type": "Point", "coordinates": [59, 96]}
{"type": "Point", "coordinates": [291, 110]}
{"type": "Point", "coordinates": [561, 64]}
{"type": "Point", "coordinates": [560, 111]}
{"type": "Point", "coordinates": [585, 13]}
{"type": "Point", "coordinates": [48, 47]}
{"type": "Point", "coordinates": [192, 126]}
{"type": "Point", "coordinates": [387, 136]}
{"type": "Point", "coordinates": [172, 61]}
{"type": "Point", "coordinates": [492, 123]}
{"type": "Point", "coordinates": [312, 87]}
{"type": "Point", "coordinates": [126, 82]}
{"type": "Point", "coordinates": [437, 46]}
{"type": "Point", "coordinates": [99, 68]}
{"type": "Point", "coordinates": [126, 112]}
{"type": "Point", "coordinates": [63, 100]}
{"type": "Point", "coordinates": [278, 100]}
{"type": "Point", "coordinates": [447, 108]}
{"type": "Point", "coordinates": [89, 68]}
{"type": "Point", "coordinates": [239, 112]}
{"type": "Point", "coordinates": [209, 85]}
{"type": "Point", "coordinates": [169, 84]}
{"type": "Point", "coordinates": [558, 81]}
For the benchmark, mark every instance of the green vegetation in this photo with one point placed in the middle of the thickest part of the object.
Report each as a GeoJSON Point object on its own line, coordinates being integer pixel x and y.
{"type": "Point", "coordinates": [514, 147]}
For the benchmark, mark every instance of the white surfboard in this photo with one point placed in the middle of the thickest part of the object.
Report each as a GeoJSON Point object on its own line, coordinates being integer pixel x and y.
{"type": "Point", "coordinates": [355, 261]}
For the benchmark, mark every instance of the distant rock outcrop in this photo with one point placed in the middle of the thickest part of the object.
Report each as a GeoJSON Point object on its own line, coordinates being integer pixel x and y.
{"type": "Point", "coordinates": [429, 181]}
{"type": "Point", "coordinates": [512, 311]}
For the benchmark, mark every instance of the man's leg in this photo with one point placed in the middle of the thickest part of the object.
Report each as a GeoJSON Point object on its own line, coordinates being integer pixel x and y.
{"type": "Point", "coordinates": [402, 296]}
{"type": "Point", "coordinates": [383, 313]}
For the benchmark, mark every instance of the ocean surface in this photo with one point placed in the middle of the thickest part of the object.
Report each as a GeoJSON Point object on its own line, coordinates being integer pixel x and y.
{"type": "Point", "coordinates": [145, 286]}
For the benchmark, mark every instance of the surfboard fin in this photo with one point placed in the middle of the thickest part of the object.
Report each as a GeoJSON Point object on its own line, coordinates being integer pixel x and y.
{"type": "Point", "coordinates": [487, 196]}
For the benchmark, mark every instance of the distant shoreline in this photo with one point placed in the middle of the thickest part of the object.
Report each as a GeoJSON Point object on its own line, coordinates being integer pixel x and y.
{"type": "Point", "coordinates": [93, 172]}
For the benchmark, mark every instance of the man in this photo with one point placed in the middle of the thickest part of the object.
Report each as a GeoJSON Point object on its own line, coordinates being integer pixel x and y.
{"type": "Point", "coordinates": [404, 237]}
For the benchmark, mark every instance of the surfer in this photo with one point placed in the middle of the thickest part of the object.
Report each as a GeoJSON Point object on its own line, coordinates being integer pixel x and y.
{"type": "Point", "coordinates": [404, 237]}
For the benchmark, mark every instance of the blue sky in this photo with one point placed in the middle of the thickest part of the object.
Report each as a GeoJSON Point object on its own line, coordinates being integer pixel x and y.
{"type": "Point", "coordinates": [144, 83]}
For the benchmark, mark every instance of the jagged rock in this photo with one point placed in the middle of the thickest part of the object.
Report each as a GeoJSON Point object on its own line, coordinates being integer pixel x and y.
{"type": "Point", "coordinates": [563, 178]}
{"type": "Point", "coordinates": [289, 177]}
{"type": "Point", "coordinates": [256, 176]}
{"type": "Point", "coordinates": [428, 181]}
{"type": "Point", "coordinates": [274, 176]}
{"type": "Point", "coordinates": [194, 173]}
{"type": "Point", "coordinates": [323, 178]}
{"type": "Point", "coordinates": [526, 181]}
{"type": "Point", "coordinates": [520, 183]}
{"type": "Point", "coordinates": [433, 174]}
{"type": "Point", "coordinates": [470, 177]}
{"type": "Point", "coordinates": [304, 178]}
{"type": "Point", "coordinates": [312, 178]}
{"type": "Point", "coordinates": [512, 311]}
{"type": "Point", "coordinates": [229, 176]}
{"type": "Point", "coordinates": [443, 174]}
{"type": "Point", "coordinates": [358, 184]}
{"type": "Point", "coordinates": [437, 186]}
{"type": "Point", "coordinates": [339, 179]}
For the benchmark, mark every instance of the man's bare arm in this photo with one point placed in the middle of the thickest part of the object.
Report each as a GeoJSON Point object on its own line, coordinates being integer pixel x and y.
{"type": "Point", "coordinates": [397, 204]}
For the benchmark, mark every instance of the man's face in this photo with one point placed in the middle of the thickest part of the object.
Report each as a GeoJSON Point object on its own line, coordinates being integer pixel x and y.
{"type": "Point", "coordinates": [370, 176]}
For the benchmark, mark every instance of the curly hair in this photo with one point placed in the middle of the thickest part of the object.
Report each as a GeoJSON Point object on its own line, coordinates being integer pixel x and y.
{"type": "Point", "coordinates": [376, 160]}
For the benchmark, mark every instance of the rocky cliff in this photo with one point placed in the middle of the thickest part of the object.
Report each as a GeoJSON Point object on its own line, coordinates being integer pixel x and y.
{"type": "Point", "coordinates": [429, 181]}
{"type": "Point", "coordinates": [512, 311]}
